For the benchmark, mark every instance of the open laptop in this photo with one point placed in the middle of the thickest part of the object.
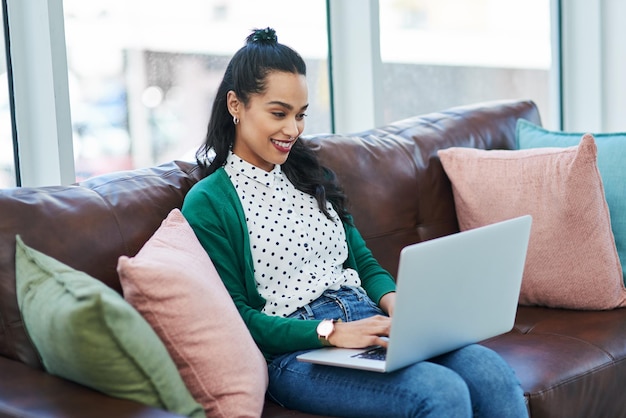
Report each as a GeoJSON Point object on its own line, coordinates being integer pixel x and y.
{"type": "Point", "coordinates": [452, 291]}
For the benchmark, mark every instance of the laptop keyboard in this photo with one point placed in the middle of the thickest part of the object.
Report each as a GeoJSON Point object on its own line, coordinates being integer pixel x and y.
{"type": "Point", "coordinates": [376, 353]}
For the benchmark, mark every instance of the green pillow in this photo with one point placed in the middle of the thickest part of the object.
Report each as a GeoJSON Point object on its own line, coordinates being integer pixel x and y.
{"type": "Point", "coordinates": [611, 151]}
{"type": "Point", "coordinates": [86, 332]}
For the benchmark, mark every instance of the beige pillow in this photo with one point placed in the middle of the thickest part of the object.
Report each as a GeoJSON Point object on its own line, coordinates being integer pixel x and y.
{"type": "Point", "coordinates": [572, 261]}
{"type": "Point", "coordinates": [174, 285]}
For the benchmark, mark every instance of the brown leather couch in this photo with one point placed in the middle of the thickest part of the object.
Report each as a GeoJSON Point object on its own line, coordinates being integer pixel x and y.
{"type": "Point", "coordinates": [570, 363]}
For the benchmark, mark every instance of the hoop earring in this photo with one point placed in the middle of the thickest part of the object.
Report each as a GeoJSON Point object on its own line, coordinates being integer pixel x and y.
{"type": "Point", "coordinates": [235, 120]}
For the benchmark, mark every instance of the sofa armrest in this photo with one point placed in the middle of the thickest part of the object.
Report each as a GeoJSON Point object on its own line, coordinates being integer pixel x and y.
{"type": "Point", "coordinates": [27, 392]}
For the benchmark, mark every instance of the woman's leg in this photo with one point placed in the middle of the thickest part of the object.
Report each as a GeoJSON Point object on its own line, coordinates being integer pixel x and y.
{"type": "Point", "coordinates": [422, 390]}
{"type": "Point", "coordinates": [473, 378]}
{"type": "Point", "coordinates": [493, 386]}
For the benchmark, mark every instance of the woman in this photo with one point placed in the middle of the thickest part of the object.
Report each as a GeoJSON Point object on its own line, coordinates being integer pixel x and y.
{"type": "Point", "coordinates": [276, 227]}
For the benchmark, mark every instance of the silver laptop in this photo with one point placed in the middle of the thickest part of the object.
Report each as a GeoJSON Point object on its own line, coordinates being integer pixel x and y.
{"type": "Point", "coordinates": [452, 291]}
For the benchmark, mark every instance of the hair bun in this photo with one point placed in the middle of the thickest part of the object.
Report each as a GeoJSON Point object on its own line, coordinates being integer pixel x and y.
{"type": "Point", "coordinates": [263, 36]}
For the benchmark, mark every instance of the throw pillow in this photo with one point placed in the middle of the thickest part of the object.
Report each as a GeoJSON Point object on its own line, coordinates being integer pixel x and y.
{"type": "Point", "coordinates": [173, 283]}
{"type": "Point", "coordinates": [86, 332]}
{"type": "Point", "coordinates": [611, 151]}
{"type": "Point", "coordinates": [571, 260]}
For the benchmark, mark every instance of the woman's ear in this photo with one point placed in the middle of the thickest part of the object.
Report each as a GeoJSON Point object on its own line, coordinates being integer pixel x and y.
{"type": "Point", "coordinates": [233, 103]}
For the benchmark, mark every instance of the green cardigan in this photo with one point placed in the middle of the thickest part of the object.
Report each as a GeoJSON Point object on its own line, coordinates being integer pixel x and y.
{"type": "Point", "coordinates": [214, 211]}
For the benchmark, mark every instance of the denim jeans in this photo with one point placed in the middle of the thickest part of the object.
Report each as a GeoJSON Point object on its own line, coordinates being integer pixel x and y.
{"type": "Point", "coordinates": [471, 381]}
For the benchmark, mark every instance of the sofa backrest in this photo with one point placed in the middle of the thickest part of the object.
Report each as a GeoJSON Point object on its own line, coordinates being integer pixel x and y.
{"type": "Point", "coordinates": [86, 226]}
{"type": "Point", "coordinates": [398, 191]}
{"type": "Point", "coordinates": [396, 186]}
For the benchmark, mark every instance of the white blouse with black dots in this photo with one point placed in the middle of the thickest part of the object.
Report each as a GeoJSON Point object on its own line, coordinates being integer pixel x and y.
{"type": "Point", "coordinates": [298, 252]}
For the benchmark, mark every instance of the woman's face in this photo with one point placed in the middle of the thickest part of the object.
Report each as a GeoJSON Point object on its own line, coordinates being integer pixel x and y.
{"type": "Point", "coordinates": [271, 122]}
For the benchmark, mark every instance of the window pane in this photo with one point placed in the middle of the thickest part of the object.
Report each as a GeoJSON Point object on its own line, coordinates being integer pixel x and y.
{"type": "Point", "coordinates": [442, 53]}
{"type": "Point", "coordinates": [7, 165]}
{"type": "Point", "coordinates": [143, 74]}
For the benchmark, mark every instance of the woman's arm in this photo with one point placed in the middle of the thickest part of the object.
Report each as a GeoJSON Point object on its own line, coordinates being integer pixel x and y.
{"type": "Point", "coordinates": [380, 287]}
{"type": "Point", "coordinates": [388, 302]}
{"type": "Point", "coordinates": [376, 281]}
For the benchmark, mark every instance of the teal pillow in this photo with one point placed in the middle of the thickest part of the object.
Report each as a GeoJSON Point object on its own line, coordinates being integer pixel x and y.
{"type": "Point", "coordinates": [611, 152]}
{"type": "Point", "coordinates": [86, 332]}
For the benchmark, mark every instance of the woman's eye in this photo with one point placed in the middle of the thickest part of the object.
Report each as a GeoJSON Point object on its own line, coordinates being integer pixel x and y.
{"type": "Point", "coordinates": [278, 114]}
{"type": "Point", "coordinates": [301, 116]}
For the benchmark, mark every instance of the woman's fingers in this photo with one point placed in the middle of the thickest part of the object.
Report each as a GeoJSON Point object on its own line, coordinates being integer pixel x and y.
{"type": "Point", "coordinates": [361, 333]}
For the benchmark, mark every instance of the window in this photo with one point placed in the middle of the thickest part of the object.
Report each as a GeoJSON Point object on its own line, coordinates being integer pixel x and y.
{"type": "Point", "coordinates": [143, 74]}
{"type": "Point", "coordinates": [442, 53]}
{"type": "Point", "coordinates": [128, 63]}
{"type": "Point", "coordinates": [7, 164]}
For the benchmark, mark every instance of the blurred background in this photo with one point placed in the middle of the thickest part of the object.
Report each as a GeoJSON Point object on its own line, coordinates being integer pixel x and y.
{"type": "Point", "coordinates": [143, 73]}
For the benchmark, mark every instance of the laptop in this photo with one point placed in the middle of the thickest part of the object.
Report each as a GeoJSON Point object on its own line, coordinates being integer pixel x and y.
{"type": "Point", "coordinates": [451, 291]}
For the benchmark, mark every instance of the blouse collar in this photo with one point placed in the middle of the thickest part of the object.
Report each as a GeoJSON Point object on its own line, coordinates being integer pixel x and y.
{"type": "Point", "coordinates": [240, 166]}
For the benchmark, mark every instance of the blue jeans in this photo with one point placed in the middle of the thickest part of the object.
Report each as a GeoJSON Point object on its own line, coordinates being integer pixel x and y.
{"type": "Point", "coordinates": [471, 381]}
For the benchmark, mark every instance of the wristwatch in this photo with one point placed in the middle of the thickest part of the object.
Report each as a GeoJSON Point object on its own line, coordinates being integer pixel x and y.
{"type": "Point", "coordinates": [324, 329]}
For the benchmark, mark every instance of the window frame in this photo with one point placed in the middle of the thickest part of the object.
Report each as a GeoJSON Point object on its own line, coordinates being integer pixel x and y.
{"type": "Point", "coordinates": [9, 68]}
{"type": "Point", "coordinates": [40, 93]}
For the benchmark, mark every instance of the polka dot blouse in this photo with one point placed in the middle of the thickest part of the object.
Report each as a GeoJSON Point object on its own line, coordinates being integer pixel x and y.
{"type": "Point", "coordinates": [298, 252]}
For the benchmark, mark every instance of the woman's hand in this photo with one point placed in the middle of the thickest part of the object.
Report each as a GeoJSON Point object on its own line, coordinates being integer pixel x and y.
{"type": "Point", "coordinates": [361, 333]}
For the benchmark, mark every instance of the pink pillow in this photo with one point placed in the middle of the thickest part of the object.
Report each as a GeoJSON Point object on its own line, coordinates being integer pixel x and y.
{"type": "Point", "coordinates": [174, 285]}
{"type": "Point", "coordinates": [572, 261]}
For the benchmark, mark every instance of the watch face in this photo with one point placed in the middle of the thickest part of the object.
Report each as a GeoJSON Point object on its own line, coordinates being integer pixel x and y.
{"type": "Point", "coordinates": [325, 328]}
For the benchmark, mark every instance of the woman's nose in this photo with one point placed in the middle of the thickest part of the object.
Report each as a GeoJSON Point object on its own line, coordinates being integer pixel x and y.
{"type": "Point", "coordinates": [292, 129]}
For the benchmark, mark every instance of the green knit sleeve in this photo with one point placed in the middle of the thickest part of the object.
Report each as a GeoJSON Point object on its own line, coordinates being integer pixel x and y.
{"type": "Point", "coordinates": [376, 281]}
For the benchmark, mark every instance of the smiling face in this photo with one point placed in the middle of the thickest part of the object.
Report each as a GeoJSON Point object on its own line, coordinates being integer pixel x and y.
{"type": "Point", "coordinates": [271, 122]}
